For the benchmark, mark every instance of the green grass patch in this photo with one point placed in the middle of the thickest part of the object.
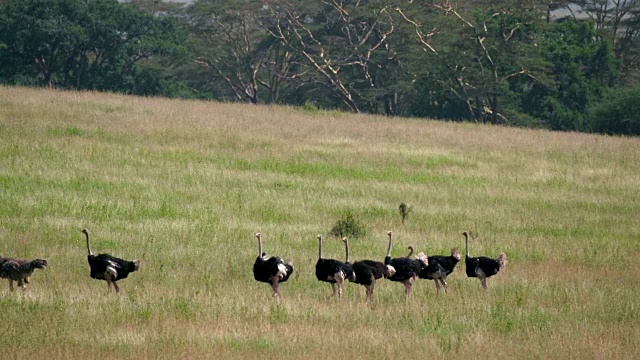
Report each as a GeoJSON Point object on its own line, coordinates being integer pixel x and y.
{"type": "Point", "coordinates": [184, 186]}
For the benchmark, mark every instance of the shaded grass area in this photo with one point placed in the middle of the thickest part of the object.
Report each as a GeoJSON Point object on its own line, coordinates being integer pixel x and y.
{"type": "Point", "coordinates": [183, 186]}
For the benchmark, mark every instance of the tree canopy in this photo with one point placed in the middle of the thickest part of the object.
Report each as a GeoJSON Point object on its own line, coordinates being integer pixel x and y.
{"type": "Point", "coordinates": [82, 44]}
{"type": "Point", "coordinates": [560, 65]}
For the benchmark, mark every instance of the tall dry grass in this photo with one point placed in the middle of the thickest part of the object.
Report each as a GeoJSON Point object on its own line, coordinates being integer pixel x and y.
{"type": "Point", "coordinates": [184, 185]}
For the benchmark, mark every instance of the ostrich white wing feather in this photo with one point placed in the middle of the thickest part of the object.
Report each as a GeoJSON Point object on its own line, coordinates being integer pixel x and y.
{"type": "Point", "coordinates": [282, 270]}
{"type": "Point", "coordinates": [391, 270]}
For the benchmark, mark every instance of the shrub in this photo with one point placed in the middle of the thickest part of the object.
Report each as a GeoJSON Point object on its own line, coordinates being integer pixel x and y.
{"type": "Point", "coordinates": [348, 225]}
{"type": "Point", "coordinates": [617, 113]}
{"type": "Point", "coordinates": [404, 210]}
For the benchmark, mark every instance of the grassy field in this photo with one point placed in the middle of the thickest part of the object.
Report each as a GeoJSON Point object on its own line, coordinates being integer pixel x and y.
{"type": "Point", "coordinates": [184, 186]}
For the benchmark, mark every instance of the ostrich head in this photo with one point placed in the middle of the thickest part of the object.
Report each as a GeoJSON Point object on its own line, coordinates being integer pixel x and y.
{"type": "Point", "coordinates": [39, 264]}
{"type": "Point", "coordinates": [390, 271]}
{"type": "Point", "coordinates": [455, 253]}
{"type": "Point", "coordinates": [465, 233]}
{"type": "Point", "coordinates": [502, 259]}
{"type": "Point", "coordinates": [424, 259]}
{"type": "Point", "coordinates": [258, 236]}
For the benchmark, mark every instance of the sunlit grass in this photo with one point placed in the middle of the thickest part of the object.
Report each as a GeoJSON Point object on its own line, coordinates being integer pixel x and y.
{"type": "Point", "coordinates": [184, 185]}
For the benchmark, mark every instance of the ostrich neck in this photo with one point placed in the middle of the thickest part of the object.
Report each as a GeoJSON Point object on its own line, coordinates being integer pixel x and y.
{"type": "Point", "coordinates": [389, 247]}
{"type": "Point", "coordinates": [259, 247]}
{"type": "Point", "coordinates": [466, 244]}
{"type": "Point", "coordinates": [346, 250]}
{"type": "Point", "coordinates": [86, 235]}
{"type": "Point", "coordinates": [320, 247]}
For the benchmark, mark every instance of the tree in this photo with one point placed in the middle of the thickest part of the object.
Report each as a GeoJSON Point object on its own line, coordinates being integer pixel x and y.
{"type": "Point", "coordinates": [617, 113]}
{"type": "Point", "coordinates": [479, 52]}
{"type": "Point", "coordinates": [617, 23]}
{"type": "Point", "coordinates": [343, 46]}
{"type": "Point", "coordinates": [228, 41]}
{"type": "Point", "coordinates": [81, 44]}
{"type": "Point", "coordinates": [583, 67]}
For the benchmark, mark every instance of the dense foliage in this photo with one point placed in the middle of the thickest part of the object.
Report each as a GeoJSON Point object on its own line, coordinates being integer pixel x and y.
{"type": "Point", "coordinates": [83, 44]}
{"type": "Point", "coordinates": [525, 63]}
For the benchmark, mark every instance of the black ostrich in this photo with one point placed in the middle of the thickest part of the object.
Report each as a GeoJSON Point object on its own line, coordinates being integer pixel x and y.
{"type": "Point", "coordinates": [332, 271]}
{"type": "Point", "coordinates": [482, 267]}
{"type": "Point", "coordinates": [367, 272]}
{"type": "Point", "coordinates": [406, 269]}
{"type": "Point", "coordinates": [109, 268]}
{"type": "Point", "coordinates": [272, 270]}
{"type": "Point", "coordinates": [439, 268]}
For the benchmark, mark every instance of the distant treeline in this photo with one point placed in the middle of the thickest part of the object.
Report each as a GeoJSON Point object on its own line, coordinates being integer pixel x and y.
{"type": "Point", "coordinates": [501, 62]}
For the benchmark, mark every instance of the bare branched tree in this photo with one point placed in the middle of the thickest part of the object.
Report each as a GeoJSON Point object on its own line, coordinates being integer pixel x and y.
{"type": "Point", "coordinates": [477, 80]}
{"type": "Point", "coordinates": [238, 51]}
{"type": "Point", "coordinates": [341, 61]}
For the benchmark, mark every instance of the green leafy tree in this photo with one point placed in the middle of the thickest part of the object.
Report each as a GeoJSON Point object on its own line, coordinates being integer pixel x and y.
{"type": "Point", "coordinates": [583, 67]}
{"type": "Point", "coordinates": [83, 44]}
{"type": "Point", "coordinates": [617, 113]}
{"type": "Point", "coordinates": [617, 22]}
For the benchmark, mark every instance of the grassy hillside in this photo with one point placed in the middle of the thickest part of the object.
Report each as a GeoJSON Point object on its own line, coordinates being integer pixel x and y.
{"type": "Point", "coordinates": [185, 185]}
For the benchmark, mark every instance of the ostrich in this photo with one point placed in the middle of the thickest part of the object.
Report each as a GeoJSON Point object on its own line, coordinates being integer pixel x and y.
{"type": "Point", "coordinates": [19, 270]}
{"type": "Point", "coordinates": [333, 271]}
{"type": "Point", "coordinates": [406, 269]}
{"type": "Point", "coordinates": [482, 267]}
{"type": "Point", "coordinates": [109, 268]}
{"type": "Point", "coordinates": [366, 272]}
{"type": "Point", "coordinates": [272, 270]}
{"type": "Point", "coordinates": [439, 268]}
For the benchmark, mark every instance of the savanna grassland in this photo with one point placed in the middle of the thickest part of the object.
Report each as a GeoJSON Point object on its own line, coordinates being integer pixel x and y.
{"type": "Point", "coordinates": [183, 186]}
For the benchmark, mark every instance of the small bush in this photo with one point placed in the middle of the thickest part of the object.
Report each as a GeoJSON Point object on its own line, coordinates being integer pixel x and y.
{"type": "Point", "coordinates": [348, 225]}
{"type": "Point", "coordinates": [310, 107]}
{"type": "Point", "coordinates": [404, 211]}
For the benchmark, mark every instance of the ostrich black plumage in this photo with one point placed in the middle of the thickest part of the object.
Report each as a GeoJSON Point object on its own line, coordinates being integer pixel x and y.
{"type": "Point", "coordinates": [109, 268]}
{"type": "Point", "coordinates": [406, 269]}
{"type": "Point", "coordinates": [332, 271]}
{"type": "Point", "coordinates": [439, 268]}
{"type": "Point", "coordinates": [366, 272]}
{"type": "Point", "coordinates": [482, 267]}
{"type": "Point", "coordinates": [272, 270]}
